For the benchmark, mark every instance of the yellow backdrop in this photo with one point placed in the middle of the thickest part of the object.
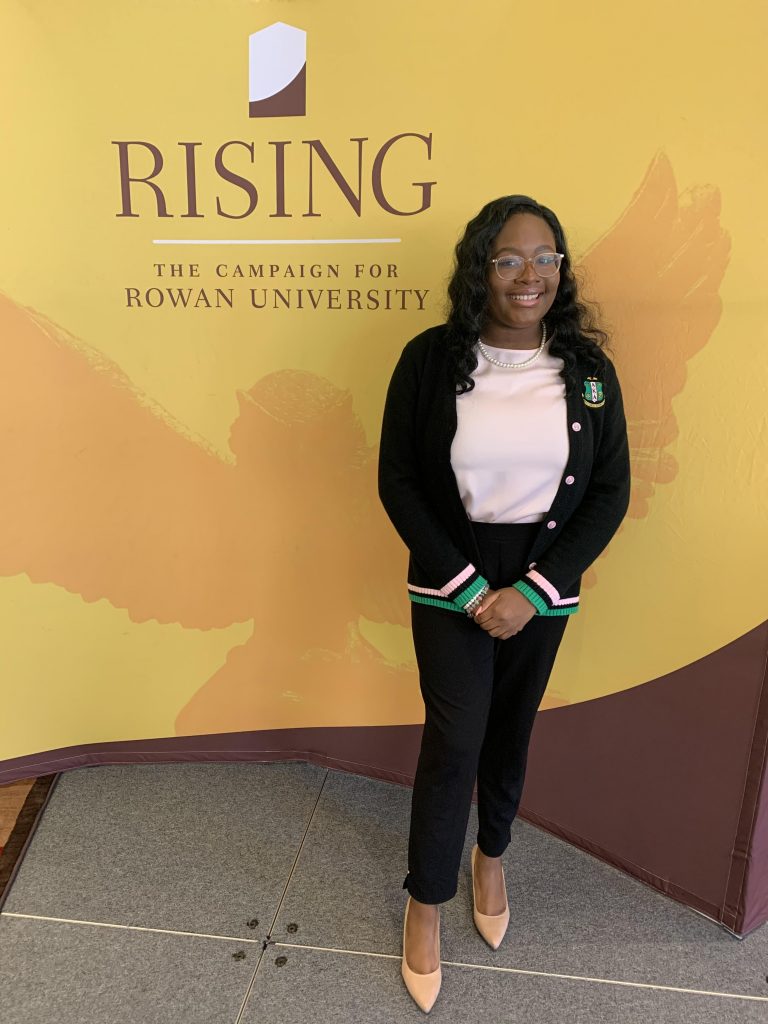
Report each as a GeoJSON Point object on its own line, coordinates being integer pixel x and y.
{"type": "Point", "coordinates": [190, 538]}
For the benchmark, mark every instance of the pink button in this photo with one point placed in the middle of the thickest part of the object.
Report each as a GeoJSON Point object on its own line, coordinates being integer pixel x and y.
{"type": "Point", "coordinates": [531, 565]}
{"type": "Point", "coordinates": [576, 426]}
{"type": "Point", "coordinates": [570, 479]}
{"type": "Point", "coordinates": [551, 524]}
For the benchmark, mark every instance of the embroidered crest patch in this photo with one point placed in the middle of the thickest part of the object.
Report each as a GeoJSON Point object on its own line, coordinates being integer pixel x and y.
{"type": "Point", "coordinates": [593, 393]}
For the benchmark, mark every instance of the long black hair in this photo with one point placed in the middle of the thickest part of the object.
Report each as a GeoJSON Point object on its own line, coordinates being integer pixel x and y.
{"type": "Point", "coordinates": [571, 324]}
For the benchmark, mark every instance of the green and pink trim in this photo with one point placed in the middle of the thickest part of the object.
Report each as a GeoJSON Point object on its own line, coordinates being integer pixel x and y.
{"type": "Point", "coordinates": [544, 596]}
{"type": "Point", "coordinates": [458, 592]}
{"type": "Point", "coordinates": [455, 595]}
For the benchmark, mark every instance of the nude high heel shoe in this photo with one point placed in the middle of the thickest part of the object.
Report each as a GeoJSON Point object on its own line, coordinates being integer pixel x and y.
{"type": "Point", "coordinates": [492, 927]}
{"type": "Point", "coordinates": [422, 987]}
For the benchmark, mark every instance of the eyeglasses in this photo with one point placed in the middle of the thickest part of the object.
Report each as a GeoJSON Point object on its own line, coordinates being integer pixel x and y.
{"type": "Point", "coordinates": [546, 264]}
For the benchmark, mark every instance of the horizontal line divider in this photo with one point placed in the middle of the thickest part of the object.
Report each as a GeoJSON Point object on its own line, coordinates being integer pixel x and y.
{"type": "Point", "coordinates": [391, 956]}
{"type": "Point", "coordinates": [541, 974]}
{"type": "Point", "coordinates": [130, 927]}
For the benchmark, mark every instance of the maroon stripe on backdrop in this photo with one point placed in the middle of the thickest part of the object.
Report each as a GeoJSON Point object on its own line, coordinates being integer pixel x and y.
{"type": "Point", "coordinates": [379, 752]}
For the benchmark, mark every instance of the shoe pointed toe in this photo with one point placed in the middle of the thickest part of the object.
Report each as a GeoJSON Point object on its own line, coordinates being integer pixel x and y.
{"type": "Point", "coordinates": [423, 988]}
{"type": "Point", "coordinates": [492, 927]}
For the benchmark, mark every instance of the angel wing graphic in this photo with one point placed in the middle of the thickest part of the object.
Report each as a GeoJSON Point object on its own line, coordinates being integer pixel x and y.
{"type": "Point", "coordinates": [657, 272]}
{"type": "Point", "coordinates": [107, 496]}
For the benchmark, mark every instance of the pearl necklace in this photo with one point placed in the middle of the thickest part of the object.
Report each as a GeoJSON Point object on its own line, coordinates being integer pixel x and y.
{"type": "Point", "coordinates": [525, 362]}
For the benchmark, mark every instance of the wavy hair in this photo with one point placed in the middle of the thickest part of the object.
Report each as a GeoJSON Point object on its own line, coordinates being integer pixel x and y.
{"type": "Point", "coordinates": [572, 323]}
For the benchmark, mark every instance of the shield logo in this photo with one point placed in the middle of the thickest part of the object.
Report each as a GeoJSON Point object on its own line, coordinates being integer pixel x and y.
{"type": "Point", "coordinates": [593, 393]}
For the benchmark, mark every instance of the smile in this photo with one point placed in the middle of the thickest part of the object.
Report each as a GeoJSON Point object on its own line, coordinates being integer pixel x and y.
{"type": "Point", "coordinates": [526, 299]}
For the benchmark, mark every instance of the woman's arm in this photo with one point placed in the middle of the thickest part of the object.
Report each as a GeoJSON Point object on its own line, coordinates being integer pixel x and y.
{"type": "Point", "coordinates": [401, 493]}
{"type": "Point", "coordinates": [598, 516]}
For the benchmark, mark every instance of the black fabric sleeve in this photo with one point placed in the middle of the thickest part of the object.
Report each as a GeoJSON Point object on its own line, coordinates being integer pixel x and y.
{"type": "Point", "coordinates": [402, 495]}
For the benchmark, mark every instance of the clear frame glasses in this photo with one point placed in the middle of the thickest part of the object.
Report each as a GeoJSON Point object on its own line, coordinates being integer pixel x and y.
{"type": "Point", "coordinates": [546, 264]}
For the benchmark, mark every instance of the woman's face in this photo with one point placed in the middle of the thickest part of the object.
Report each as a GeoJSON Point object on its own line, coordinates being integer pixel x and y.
{"type": "Point", "coordinates": [527, 298]}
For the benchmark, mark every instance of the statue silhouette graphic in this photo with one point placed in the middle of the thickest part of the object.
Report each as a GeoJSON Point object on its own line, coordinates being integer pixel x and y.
{"type": "Point", "coordinates": [107, 496]}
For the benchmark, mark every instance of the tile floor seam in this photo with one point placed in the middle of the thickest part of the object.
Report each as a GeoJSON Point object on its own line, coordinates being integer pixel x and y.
{"type": "Point", "coordinates": [251, 989]}
{"type": "Point", "coordinates": [296, 858]}
{"type": "Point", "coordinates": [541, 974]}
{"type": "Point", "coordinates": [268, 941]}
{"type": "Point", "coordinates": [130, 927]}
{"type": "Point", "coordinates": [247, 993]}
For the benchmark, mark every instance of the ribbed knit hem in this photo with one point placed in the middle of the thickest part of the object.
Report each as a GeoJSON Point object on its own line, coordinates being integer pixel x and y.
{"type": "Point", "coordinates": [463, 599]}
{"type": "Point", "coordinates": [436, 602]}
{"type": "Point", "coordinates": [541, 605]}
{"type": "Point", "coordinates": [449, 606]}
{"type": "Point", "coordinates": [536, 600]}
{"type": "Point", "coordinates": [456, 594]}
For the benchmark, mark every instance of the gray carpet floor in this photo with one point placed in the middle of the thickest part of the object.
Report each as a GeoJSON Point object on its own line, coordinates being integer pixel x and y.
{"type": "Point", "coordinates": [244, 893]}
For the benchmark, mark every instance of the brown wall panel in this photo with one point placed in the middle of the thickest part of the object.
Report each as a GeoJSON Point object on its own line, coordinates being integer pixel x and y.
{"type": "Point", "coordinates": [662, 779]}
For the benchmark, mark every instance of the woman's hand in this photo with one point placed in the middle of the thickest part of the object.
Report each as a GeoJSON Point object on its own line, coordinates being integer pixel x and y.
{"type": "Point", "coordinates": [504, 612]}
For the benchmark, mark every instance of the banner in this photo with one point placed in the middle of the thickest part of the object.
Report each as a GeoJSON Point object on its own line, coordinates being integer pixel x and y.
{"type": "Point", "coordinates": [221, 224]}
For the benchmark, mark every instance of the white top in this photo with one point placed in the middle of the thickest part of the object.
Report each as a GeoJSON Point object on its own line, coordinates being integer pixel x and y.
{"type": "Point", "coordinates": [511, 443]}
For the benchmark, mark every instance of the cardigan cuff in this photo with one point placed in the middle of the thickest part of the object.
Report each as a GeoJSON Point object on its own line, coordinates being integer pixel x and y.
{"type": "Point", "coordinates": [544, 596]}
{"type": "Point", "coordinates": [455, 595]}
{"type": "Point", "coordinates": [471, 592]}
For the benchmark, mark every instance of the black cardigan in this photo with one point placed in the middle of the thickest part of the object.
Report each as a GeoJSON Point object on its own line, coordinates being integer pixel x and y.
{"type": "Point", "coordinates": [418, 488]}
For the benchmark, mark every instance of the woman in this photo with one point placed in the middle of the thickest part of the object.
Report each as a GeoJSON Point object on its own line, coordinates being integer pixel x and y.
{"type": "Point", "coordinates": [504, 467]}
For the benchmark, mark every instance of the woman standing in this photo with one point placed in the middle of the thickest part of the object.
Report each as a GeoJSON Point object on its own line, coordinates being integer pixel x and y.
{"type": "Point", "coordinates": [504, 467]}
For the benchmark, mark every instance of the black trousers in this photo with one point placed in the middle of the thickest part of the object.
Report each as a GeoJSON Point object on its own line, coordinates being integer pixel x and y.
{"type": "Point", "coordinates": [481, 695]}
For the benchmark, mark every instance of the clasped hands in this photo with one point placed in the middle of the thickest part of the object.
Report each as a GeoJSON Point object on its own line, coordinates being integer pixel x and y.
{"type": "Point", "coordinates": [504, 612]}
